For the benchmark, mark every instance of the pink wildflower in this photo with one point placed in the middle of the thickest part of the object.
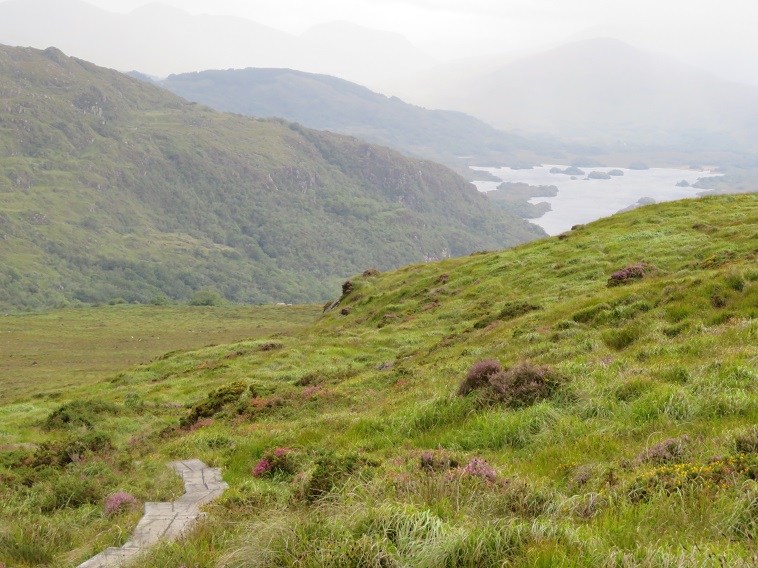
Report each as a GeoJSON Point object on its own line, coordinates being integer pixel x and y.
{"type": "Point", "coordinates": [478, 467]}
{"type": "Point", "coordinates": [118, 501]}
{"type": "Point", "coordinates": [263, 467]}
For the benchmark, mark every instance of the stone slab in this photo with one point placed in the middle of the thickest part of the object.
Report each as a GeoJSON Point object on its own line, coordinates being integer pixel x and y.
{"type": "Point", "coordinates": [202, 484]}
{"type": "Point", "coordinates": [112, 557]}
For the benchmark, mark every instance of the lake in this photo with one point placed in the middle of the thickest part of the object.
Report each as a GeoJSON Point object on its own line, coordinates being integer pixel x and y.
{"type": "Point", "coordinates": [582, 200]}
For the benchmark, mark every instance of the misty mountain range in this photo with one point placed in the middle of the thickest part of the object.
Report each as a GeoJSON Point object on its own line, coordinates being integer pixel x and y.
{"type": "Point", "coordinates": [599, 98]}
{"type": "Point", "coordinates": [601, 94]}
{"type": "Point", "coordinates": [606, 92]}
{"type": "Point", "coordinates": [159, 40]}
{"type": "Point", "coordinates": [329, 103]}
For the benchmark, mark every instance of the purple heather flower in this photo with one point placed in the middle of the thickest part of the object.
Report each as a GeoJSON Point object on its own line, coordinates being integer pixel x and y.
{"type": "Point", "coordinates": [263, 467]}
{"type": "Point", "coordinates": [118, 501]}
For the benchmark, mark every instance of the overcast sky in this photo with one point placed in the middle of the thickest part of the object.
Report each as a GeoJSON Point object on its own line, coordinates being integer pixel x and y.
{"type": "Point", "coordinates": [717, 35]}
{"type": "Point", "coordinates": [457, 28]}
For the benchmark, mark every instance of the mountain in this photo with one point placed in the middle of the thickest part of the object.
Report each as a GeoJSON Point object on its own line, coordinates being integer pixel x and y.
{"type": "Point", "coordinates": [358, 53]}
{"type": "Point", "coordinates": [158, 40]}
{"type": "Point", "coordinates": [113, 188]}
{"type": "Point", "coordinates": [328, 103]}
{"type": "Point", "coordinates": [608, 92]}
{"type": "Point", "coordinates": [583, 400]}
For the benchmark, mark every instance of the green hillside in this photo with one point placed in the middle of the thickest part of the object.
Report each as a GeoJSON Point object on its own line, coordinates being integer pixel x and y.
{"type": "Point", "coordinates": [329, 103]}
{"type": "Point", "coordinates": [584, 400]}
{"type": "Point", "coordinates": [112, 189]}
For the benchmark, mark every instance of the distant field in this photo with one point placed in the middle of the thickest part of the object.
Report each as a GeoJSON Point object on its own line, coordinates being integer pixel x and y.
{"type": "Point", "coordinates": [55, 350]}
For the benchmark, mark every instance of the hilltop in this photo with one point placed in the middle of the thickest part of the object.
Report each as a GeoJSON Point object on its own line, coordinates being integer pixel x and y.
{"type": "Point", "coordinates": [112, 190]}
{"type": "Point", "coordinates": [583, 400]}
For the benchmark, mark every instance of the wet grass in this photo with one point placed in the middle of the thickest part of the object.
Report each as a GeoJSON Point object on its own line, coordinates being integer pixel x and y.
{"type": "Point", "coordinates": [643, 455]}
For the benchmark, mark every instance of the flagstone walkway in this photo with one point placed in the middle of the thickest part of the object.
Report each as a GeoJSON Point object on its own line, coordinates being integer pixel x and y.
{"type": "Point", "coordinates": [167, 521]}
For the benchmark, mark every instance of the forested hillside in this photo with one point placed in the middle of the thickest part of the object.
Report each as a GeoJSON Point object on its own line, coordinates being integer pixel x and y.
{"type": "Point", "coordinates": [114, 189]}
{"type": "Point", "coordinates": [329, 103]}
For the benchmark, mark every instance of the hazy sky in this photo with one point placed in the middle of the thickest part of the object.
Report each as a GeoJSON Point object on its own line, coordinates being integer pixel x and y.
{"type": "Point", "coordinates": [448, 28]}
{"type": "Point", "coordinates": [717, 35]}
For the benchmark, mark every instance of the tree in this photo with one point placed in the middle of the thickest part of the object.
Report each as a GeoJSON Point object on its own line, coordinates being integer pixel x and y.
{"type": "Point", "coordinates": [207, 297]}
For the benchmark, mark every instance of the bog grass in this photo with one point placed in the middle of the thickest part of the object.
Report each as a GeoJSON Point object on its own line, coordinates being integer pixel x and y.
{"type": "Point", "coordinates": [47, 353]}
{"type": "Point", "coordinates": [644, 454]}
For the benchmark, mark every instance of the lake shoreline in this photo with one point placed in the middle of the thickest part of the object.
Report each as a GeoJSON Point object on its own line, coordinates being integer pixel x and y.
{"type": "Point", "coordinates": [590, 193]}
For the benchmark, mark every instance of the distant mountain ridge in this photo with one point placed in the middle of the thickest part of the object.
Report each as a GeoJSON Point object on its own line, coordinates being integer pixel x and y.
{"type": "Point", "coordinates": [607, 92]}
{"type": "Point", "coordinates": [329, 103]}
{"type": "Point", "coordinates": [114, 189]}
{"type": "Point", "coordinates": [159, 40]}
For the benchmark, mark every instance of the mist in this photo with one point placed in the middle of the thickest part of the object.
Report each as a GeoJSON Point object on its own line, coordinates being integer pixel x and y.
{"type": "Point", "coordinates": [371, 41]}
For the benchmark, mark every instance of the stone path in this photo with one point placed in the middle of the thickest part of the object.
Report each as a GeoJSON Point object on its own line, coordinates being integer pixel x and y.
{"type": "Point", "coordinates": [168, 521]}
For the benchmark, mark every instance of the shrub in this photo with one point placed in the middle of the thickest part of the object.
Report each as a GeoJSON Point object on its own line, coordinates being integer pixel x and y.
{"type": "Point", "coordinates": [517, 308]}
{"type": "Point", "coordinates": [262, 468]}
{"type": "Point", "coordinates": [270, 346]}
{"type": "Point", "coordinates": [718, 300]}
{"type": "Point", "coordinates": [134, 402]}
{"type": "Point", "coordinates": [479, 376]}
{"type": "Point", "coordinates": [518, 386]}
{"type": "Point", "coordinates": [523, 385]}
{"type": "Point", "coordinates": [747, 442]}
{"type": "Point", "coordinates": [347, 287]}
{"type": "Point", "coordinates": [201, 424]}
{"type": "Point", "coordinates": [61, 453]}
{"type": "Point", "coordinates": [330, 469]}
{"type": "Point", "coordinates": [667, 451]}
{"type": "Point", "coordinates": [73, 491]}
{"type": "Point", "coordinates": [78, 413]}
{"type": "Point", "coordinates": [93, 442]}
{"type": "Point", "coordinates": [214, 402]}
{"type": "Point", "coordinates": [278, 460]}
{"type": "Point", "coordinates": [206, 297]}
{"type": "Point", "coordinates": [437, 460]}
{"type": "Point", "coordinates": [629, 274]}
{"type": "Point", "coordinates": [118, 502]}
{"type": "Point", "coordinates": [478, 468]}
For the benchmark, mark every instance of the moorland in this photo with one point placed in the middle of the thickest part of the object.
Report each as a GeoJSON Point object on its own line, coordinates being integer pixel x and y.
{"type": "Point", "coordinates": [583, 400]}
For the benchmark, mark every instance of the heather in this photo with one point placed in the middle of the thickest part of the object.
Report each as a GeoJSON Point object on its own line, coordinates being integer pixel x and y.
{"type": "Point", "coordinates": [602, 426]}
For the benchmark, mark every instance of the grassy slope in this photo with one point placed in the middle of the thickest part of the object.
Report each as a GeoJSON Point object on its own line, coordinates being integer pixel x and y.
{"type": "Point", "coordinates": [110, 187]}
{"type": "Point", "coordinates": [643, 457]}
